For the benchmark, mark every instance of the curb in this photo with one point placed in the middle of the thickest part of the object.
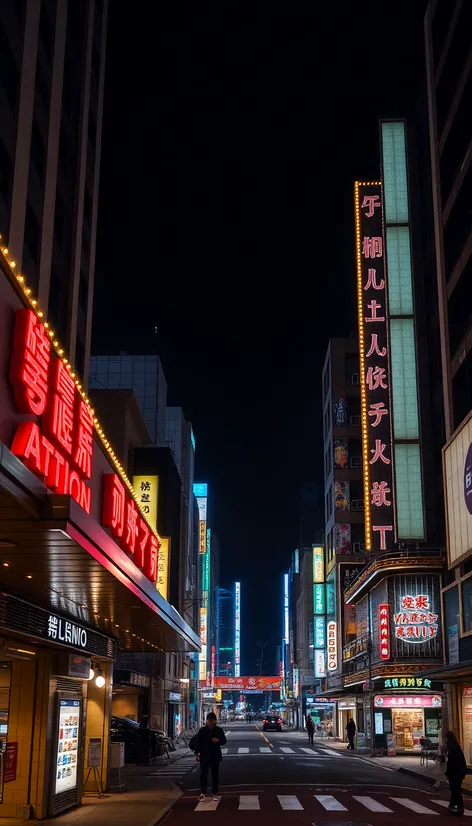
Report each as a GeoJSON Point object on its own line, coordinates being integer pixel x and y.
{"type": "Point", "coordinates": [168, 806]}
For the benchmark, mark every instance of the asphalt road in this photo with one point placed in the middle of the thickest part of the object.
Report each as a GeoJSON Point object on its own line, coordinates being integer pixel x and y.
{"type": "Point", "coordinates": [277, 776]}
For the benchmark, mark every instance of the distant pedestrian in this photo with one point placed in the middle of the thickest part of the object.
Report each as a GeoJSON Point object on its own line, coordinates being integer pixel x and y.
{"type": "Point", "coordinates": [351, 733]}
{"type": "Point", "coordinates": [310, 727]}
{"type": "Point", "coordinates": [455, 772]}
{"type": "Point", "coordinates": [209, 740]}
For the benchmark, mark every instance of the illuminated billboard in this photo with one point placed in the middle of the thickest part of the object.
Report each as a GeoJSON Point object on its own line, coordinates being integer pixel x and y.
{"type": "Point", "coordinates": [374, 368]}
{"type": "Point", "coordinates": [286, 610]}
{"type": "Point", "coordinates": [318, 563]}
{"type": "Point", "coordinates": [457, 463]}
{"type": "Point", "coordinates": [237, 629]}
{"type": "Point", "coordinates": [147, 491]}
{"type": "Point", "coordinates": [200, 489]}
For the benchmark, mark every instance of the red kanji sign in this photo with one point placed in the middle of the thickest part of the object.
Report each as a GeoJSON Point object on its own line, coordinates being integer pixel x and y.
{"type": "Point", "coordinates": [375, 370]}
{"type": "Point", "coordinates": [384, 633]}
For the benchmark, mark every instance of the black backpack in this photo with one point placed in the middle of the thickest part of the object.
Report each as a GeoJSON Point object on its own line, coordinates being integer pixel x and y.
{"type": "Point", "coordinates": [193, 743]}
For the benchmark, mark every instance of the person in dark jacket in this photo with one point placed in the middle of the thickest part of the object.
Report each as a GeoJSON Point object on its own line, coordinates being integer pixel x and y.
{"type": "Point", "coordinates": [208, 744]}
{"type": "Point", "coordinates": [310, 727]}
{"type": "Point", "coordinates": [455, 772]}
{"type": "Point", "coordinates": [351, 733]}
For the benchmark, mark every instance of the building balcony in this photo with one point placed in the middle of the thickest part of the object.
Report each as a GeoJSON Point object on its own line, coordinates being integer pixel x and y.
{"type": "Point", "coordinates": [393, 562]}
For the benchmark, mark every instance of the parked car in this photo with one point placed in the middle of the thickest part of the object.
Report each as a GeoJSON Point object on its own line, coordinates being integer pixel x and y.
{"type": "Point", "coordinates": [141, 744]}
{"type": "Point", "coordinates": [272, 722]}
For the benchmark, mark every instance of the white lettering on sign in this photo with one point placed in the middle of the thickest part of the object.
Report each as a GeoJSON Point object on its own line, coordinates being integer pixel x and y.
{"type": "Point", "coordinates": [67, 632]}
{"type": "Point", "coordinates": [415, 623]}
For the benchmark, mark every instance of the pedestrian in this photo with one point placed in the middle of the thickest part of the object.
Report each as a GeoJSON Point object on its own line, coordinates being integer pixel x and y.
{"type": "Point", "coordinates": [455, 772]}
{"type": "Point", "coordinates": [351, 733]}
{"type": "Point", "coordinates": [310, 727]}
{"type": "Point", "coordinates": [208, 744]}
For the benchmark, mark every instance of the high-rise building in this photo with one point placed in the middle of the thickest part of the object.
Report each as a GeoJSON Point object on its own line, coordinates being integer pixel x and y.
{"type": "Point", "coordinates": [449, 84]}
{"type": "Point", "coordinates": [225, 632]}
{"type": "Point", "coordinates": [52, 68]}
{"type": "Point", "coordinates": [145, 376]}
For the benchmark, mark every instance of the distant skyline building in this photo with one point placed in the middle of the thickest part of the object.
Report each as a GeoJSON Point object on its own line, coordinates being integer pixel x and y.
{"type": "Point", "coordinates": [142, 374]}
{"type": "Point", "coordinates": [237, 629]}
{"type": "Point", "coordinates": [51, 105]}
{"type": "Point", "coordinates": [225, 632]}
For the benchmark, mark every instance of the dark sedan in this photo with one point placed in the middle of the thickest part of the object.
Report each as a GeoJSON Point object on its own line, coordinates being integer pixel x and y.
{"type": "Point", "coordinates": [141, 744]}
{"type": "Point", "coordinates": [272, 722]}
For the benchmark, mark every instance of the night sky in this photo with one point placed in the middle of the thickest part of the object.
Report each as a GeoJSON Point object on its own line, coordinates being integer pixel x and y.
{"type": "Point", "coordinates": [233, 133]}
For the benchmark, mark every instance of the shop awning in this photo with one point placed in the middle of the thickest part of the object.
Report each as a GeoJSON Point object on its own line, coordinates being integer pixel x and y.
{"type": "Point", "coordinates": [56, 555]}
{"type": "Point", "coordinates": [454, 672]}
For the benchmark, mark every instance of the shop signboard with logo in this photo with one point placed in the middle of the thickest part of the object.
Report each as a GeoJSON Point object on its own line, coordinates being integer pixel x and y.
{"type": "Point", "coordinates": [415, 616]}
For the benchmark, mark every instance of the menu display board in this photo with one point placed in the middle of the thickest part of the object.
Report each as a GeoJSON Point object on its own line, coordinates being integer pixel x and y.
{"type": "Point", "coordinates": [67, 745]}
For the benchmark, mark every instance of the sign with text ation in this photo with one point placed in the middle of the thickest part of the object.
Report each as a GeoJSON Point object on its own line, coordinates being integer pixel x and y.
{"type": "Point", "coordinates": [374, 368]}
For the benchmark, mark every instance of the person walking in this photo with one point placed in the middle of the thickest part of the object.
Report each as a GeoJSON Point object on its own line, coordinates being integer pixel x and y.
{"type": "Point", "coordinates": [351, 733]}
{"type": "Point", "coordinates": [310, 727]}
{"type": "Point", "coordinates": [455, 772]}
{"type": "Point", "coordinates": [209, 740]}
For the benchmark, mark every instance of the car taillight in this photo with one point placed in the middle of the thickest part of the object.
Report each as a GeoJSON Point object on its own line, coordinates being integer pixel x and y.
{"type": "Point", "coordinates": [279, 721]}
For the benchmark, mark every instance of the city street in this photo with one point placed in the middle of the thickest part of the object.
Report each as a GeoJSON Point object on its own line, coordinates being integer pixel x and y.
{"type": "Point", "coordinates": [277, 775]}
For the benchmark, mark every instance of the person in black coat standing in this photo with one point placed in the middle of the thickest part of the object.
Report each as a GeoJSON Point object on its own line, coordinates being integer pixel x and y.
{"type": "Point", "coordinates": [310, 727]}
{"type": "Point", "coordinates": [208, 744]}
{"type": "Point", "coordinates": [351, 733]}
{"type": "Point", "coordinates": [455, 772]}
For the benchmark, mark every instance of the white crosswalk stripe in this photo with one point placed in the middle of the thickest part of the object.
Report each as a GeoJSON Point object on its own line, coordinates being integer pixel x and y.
{"type": "Point", "coordinates": [332, 753]}
{"type": "Point", "coordinates": [265, 750]}
{"type": "Point", "coordinates": [371, 804]}
{"type": "Point", "coordinates": [330, 803]}
{"type": "Point", "coordinates": [243, 751]}
{"type": "Point", "coordinates": [414, 806]}
{"type": "Point", "coordinates": [224, 751]}
{"type": "Point", "coordinates": [290, 802]}
{"type": "Point", "coordinates": [207, 805]}
{"type": "Point", "coordinates": [445, 803]}
{"type": "Point", "coordinates": [309, 751]}
{"type": "Point", "coordinates": [249, 802]}
{"type": "Point", "coordinates": [286, 750]}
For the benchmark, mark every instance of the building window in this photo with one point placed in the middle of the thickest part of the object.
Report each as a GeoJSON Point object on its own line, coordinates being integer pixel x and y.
{"type": "Point", "coordinates": [9, 74]}
{"type": "Point", "coordinates": [6, 172]}
{"type": "Point", "coordinates": [37, 152]}
{"type": "Point", "coordinates": [466, 588]}
{"type": "Point", "coordinates": [32, 234]}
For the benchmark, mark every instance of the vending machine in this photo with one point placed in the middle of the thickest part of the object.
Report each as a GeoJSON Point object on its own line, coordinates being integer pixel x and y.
{"type": "Point", "coordinates": [68, 753]}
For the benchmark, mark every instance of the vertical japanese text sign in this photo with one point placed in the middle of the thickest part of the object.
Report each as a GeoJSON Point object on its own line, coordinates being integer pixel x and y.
{"type": "Point", "coordinates": [374, 366]}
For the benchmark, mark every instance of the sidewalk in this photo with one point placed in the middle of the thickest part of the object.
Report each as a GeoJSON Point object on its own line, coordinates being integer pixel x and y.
{"type": "Point", "coordinates": [408, 764]}
{"type": "Point", "coordinates": [144, 803]}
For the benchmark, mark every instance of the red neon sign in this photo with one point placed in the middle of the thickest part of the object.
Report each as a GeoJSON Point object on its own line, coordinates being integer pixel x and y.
{"type": "Point", "coordinates": [121, 515]}
{"type": "Point", "coordinates": [59, 448]}
{"type": "Point", "coordinates": [384, 633]}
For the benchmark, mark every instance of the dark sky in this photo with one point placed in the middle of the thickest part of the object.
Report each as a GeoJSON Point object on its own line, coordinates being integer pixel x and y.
{"type": "Point", "coordinates": [233, 133]}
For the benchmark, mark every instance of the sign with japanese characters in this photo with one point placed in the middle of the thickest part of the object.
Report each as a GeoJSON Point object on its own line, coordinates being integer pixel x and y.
{"type": "Point", "coordinates": [67, 633]}
{"type": "Point", "coordinates": [332, 646]}
{"type": "Point", "coordinates": [318, 563]}
{"type": "Point", "coordinates": [384, 632]}
{"type": "Point", "coordinates": [415, 622]}
{"type": "Point", "coordinates": [121, 515]}
{"type": "Point", "coordinates": [406, 683]}
{"type": "Point", "coordinates": [457, 464]}
{"type": "Point", "coordinates": [203, 537]}
{"type": "Point", "coordinates": [58, 447]}
{"type": "Point", "coordinates": [147, 491]}
{"type": "Point", "coordinates": [163, 557]}
{"type": "Point", "coordinates": [241, 683]}
{"type": "Point", "coordinates": [374, 365]}
{"type": "Point", "coordinates": [319, 601]}
{"type": "Point", "coordinates": [418, 701]}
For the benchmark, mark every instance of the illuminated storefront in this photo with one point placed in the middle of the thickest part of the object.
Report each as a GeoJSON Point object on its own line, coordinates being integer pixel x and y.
{"type": "Point", "coordinates": [79, 560]}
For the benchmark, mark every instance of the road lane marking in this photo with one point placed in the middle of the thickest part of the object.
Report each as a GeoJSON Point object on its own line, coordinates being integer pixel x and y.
{"type": "Point", "coordinates": [308, 751]}
{"type": "Point", "coordinates": [290, 802]}
{"type": "Point", "coordinates": [265, 750]}
{"type": "Point", "coordinates": [330, 803]}
{"type": "Point", "coordinates": [286, 750]}
{"type": "Point", "coordinates": [207, 805]}
{"type": "Point", "coordinates": [226, 733]}
{"type": "Point", "coordinates": [263, 735]}
{"type": "Point", "coordinates": [445, 803]}
{"type": "Point", "coordinates": [249, 802]}
{"type": "Point", "coordinates": [224, 751]}
{"type": "Point", "coordinates": [331, 752]}
{"type": "Point", "coordinates": [243, 750]}
{"type": "Point", "coordinates": [371, 804]}
{"type": "Point", "coordinates": [414, 806]}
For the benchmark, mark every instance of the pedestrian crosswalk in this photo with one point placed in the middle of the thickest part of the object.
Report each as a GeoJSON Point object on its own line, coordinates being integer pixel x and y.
{"type": "Point", "coordinates": [316, 804]}
{"type": "Point", "coordinates": [231, 751]}
{"type": "Point", "coordinates": [176, 770]}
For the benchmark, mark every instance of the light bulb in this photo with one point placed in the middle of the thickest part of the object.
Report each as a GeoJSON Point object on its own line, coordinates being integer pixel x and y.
{"type": "Point", "coordinates": [100, 681]}
{"type": "Point", "coordinates": [91, 674]}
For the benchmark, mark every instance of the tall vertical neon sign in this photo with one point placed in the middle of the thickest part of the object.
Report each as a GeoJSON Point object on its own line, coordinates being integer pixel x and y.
{"type": "Point", "coordinates": [237, 629]}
